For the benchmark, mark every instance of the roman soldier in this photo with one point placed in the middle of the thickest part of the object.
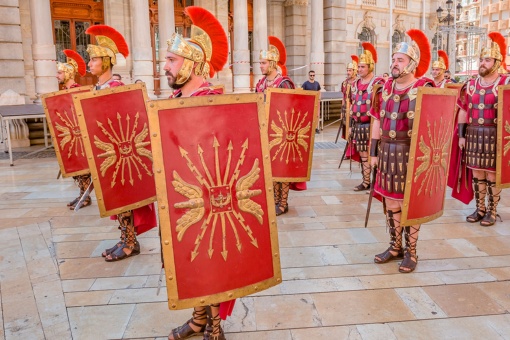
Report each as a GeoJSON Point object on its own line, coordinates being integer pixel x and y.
{"type": "Point", "coordinates": [65, 76]}
{"type": "Point", "coordinates": [102, 59]}
{"type": "Point", "coordinates": [189, 61]}
{"type": "Point", "coordinates": [272, 66]}
{"type": "Point", "coordinates": [439, 67]}
{"type": "Point", "coordinates": [345, 88]}
{"type": "Point", "coordinates": [362, 97]}
{"type": "Point", "coordinates": [392, 127]}
{"type": "Point", "coordinates": [478, 129]}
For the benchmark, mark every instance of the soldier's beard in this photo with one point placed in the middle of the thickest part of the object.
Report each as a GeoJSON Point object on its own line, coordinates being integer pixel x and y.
{"type": "Point", "coordinates": [482, 71]}
{"type": "Point", "coordinates": [171, 81]}
{"type": "Point", "coordinates": [395, 73]}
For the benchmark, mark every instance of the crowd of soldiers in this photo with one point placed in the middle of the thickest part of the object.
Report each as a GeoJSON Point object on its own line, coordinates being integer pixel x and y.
{"type": "Point", "coordinates": [379, 112]}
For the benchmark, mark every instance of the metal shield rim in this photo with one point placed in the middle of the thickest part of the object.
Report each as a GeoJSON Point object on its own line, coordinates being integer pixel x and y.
{"type": "Point", "coordinates": [499, 144]}
{"type": "Point", "coordinates": [103, 212]}
{"type": "Point", "coordinates": [300, 92]}
{"type": "Point", "coordinates": [54, 141]}
{"type": "Point", "coordinates": [412, 157]}
{"type": "Point", "coordinates": [154, 107]}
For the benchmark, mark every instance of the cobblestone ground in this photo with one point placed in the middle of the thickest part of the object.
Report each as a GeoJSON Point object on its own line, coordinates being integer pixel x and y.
{"type": "Point", "coordinates": [54, 284]}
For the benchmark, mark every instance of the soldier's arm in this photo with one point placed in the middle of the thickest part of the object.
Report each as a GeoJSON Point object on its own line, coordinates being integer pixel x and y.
{"type": "Point", "coordinates": [374, 142]}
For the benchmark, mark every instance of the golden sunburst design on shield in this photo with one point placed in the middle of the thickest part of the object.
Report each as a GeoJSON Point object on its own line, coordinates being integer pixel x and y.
{"type": "Point", "coordinates": [223, 212]}
{"type": "Point", "coordinates": [289, 136]}
{"type": "Point", "coordinates": [70, 133]}
{"type": "Point", "coordinates": [506, 147]}
{"type": "Point", "coordinates": [434, 162]}
{"type": "Point", "coordinates": [125, 150]}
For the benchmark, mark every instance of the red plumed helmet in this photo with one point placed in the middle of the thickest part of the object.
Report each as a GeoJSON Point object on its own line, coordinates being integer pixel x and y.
{"type": "Point", "coordinates": [207, 22]}
{"type": "Point", "coordinates": [110, 38]}
{"type": "Point", "coordinates": [442, 54]}
{"type": "Point", "coordinates": [369, 47]}
{"type": "Point", "coordinates": [281, 51]}
{"type": "Point", "coordinates": [499, 39]}
{"type": "Point", "coordinates": [425, 56]}
{"type": "Point", "coordinates": [80, 63]}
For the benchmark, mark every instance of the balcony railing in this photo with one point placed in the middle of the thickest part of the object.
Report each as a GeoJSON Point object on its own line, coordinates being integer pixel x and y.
{"type": "Point", "coordinates": [401, 4]}
{"type": "Point", "coordinates": [370, 2]}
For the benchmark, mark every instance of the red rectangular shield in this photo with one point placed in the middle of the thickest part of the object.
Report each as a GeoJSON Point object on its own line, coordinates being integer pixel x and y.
{"type": "Point", "coordinates": [65, 131]}
{"type": "Point", "coordinates": [503, 150]}
{"type": "Point", "coordinates": [429, 156]}
{"type": "Point", "coordinates": [292, 119]}
{"type": "Point", "coordinates": [215, 200]}
{"type": "Point", "coordinates": [115, 130]}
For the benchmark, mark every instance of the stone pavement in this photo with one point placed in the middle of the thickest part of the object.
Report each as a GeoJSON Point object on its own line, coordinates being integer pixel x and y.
{"type": "Point", "coordinates": [54, 284]}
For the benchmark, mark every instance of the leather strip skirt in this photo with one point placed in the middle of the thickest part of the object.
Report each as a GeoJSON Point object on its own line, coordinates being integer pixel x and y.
{"type": "Point", "coordinates": [481, 147]}
{"type": "Point", "coordinates": [392, 165]}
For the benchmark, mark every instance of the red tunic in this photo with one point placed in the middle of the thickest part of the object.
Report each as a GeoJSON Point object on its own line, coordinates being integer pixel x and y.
{"type": "Point", "coordinates": [362, 97]}
{"type": "Point", "coordinates": [442, 83]}
{"type": "Point", "coordinates": [203, 90]}
{"type": "Point", "coordinates": [343, 88]}
{"type": "Point", "coordinates": [396, 127]}
{"type": "Point", "coordinates": [280, 81]}
{"type": "Point", "coordinates": [480, 102]}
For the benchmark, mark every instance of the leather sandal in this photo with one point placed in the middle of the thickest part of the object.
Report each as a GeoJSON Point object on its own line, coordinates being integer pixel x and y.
{"type": "Point", "coordinates": [477, 216]}
{"type": "Point", "coordinates": [121, 243]}
{"type": "Point", "coordinates": [489, 219]}
{"type": "Point", "coordinates": [108, 251]}
{"type": "Point", "coordinates": [85, 203]}
{"type": "Point", "coordinates": [279, 210]}
{"type": "Point", "coordinates": [73, 203]}
{"type": "Point", "coordinates": [408, 264]}
{"type": "Point", "coordinates": [362, 187]}
{"type": "Point", "coordinates": [387, 255]}
{"type": "Point", "coordinates": [185, 331]}
{"type": "Point", "coordinates": [208, 334]}
{"type": "Point", "coordinates": [120, 254]}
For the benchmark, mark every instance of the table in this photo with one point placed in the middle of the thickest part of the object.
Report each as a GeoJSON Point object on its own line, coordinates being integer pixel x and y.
{"type": "Point", "coordinates": [325, 99]}
{"type": "Point", "coordinates": [25, 111]}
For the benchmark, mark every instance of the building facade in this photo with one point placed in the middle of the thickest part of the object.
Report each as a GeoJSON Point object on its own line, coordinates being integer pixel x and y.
{"type": "Point", "coordinates": [319, 35]}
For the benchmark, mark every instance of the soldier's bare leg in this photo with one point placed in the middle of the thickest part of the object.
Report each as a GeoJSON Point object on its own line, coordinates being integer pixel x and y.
{"type": "Point", "coordinates": [283, 206]}
{"type": "Point", "coordinates": [480, 189]}
{"type": "Point", "coordinates": [410, 258]}
{"type": "Point", "coordinates": [493, 200]}
{"type": "Point", "coordinates": [395, 251]}
{"type": "Point", "coordinates": [213, 330]}
{"type": "Point", "coordinates": [277, 192]}
{"type": "Point", "coordinates": [131, 246]}
{"type": "Point", "coordinates": [365, 172]}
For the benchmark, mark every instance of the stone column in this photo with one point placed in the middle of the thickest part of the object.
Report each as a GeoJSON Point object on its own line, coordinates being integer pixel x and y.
{"type": "Point", "coordinates": [259, 35]}
{"type": "Point", "coordinates": [241, 49]}
{"type": "Point", "coordinates": [295, 33]}
{"type": "Point", "coordinates": [11, 49]}
{"type": "Point", "coordinates": [317, 52]}
{"type": "Point", "coordinates": [43, 48]}
{"type": "Point", "coordinates": [166, 24]}
{"type": "Point", "coordinates": [220, 10]}
{"type": "Point", "coordinates": [276, 18]}
{"type": "Point", "coordinates": [141, 50]}
{"type": "Point", "coordinates": [335, 36]}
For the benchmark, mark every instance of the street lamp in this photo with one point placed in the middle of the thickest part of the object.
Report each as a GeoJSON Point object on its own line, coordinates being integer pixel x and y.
{"type": "Point", "coordinates": [447, 18]}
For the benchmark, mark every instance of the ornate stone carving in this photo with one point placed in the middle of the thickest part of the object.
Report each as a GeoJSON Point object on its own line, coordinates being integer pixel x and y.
{"type": "Point", "coordinates": [296, 3]}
